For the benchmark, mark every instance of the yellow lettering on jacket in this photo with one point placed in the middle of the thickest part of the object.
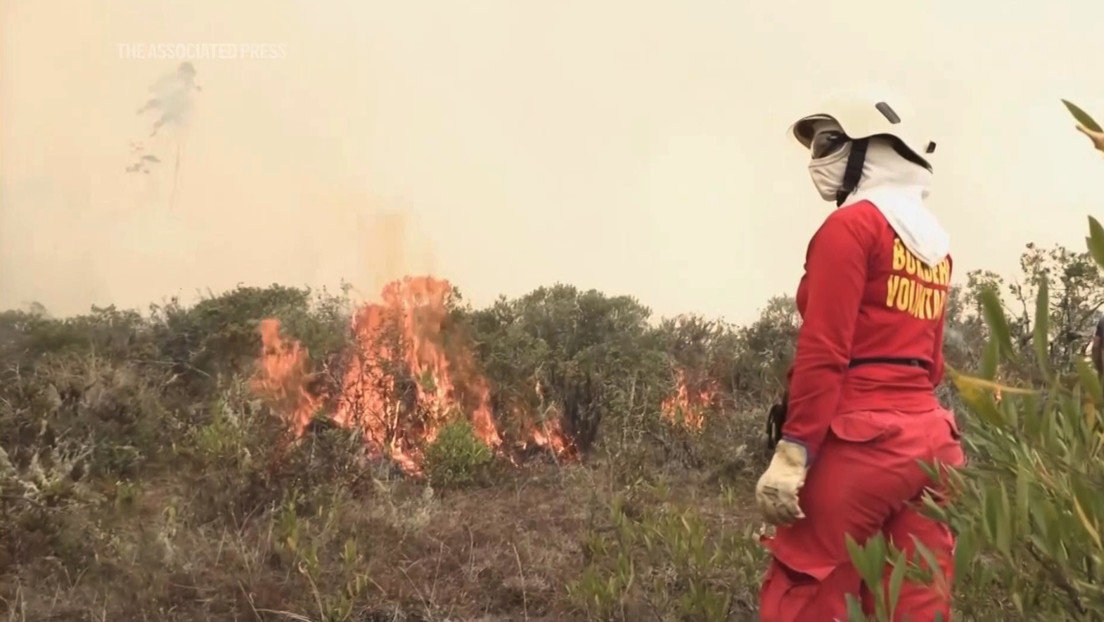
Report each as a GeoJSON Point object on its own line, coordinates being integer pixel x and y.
{"type": "Point", "coordinates": [917, 291]}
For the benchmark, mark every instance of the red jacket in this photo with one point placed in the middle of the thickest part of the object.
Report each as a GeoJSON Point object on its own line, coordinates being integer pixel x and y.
{"type": "Point", "coordinates": [863, 295]}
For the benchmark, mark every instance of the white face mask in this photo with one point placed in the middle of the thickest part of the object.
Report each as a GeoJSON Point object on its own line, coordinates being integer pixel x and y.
{"type": "Point", "coordinates": [827, 172]}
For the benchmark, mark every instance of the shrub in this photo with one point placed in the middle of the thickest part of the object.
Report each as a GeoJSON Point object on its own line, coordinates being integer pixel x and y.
{"type": "Point", "coordinates": [456, 457]}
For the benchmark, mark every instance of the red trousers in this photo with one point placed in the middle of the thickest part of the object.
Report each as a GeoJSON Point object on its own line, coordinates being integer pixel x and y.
{"type": "Point", "coordinates": [865, 480]}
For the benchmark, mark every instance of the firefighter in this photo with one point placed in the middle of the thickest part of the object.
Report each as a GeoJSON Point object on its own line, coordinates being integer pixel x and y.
{"type": "Point", "coordinates": [861, 409]}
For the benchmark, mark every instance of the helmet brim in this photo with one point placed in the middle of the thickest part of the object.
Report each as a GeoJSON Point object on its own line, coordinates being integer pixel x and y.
{"type": "Point", "coordinates": [802, 130]}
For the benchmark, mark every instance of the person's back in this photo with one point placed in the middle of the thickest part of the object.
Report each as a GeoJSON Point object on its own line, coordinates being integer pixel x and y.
{"type": "Point", "coordinates": [901, 317]}
{"type": "Point", "coordinates": [882, 348]}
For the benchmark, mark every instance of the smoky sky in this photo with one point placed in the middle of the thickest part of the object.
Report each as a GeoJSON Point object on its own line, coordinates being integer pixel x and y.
{"type": "Point", "coordinates": [169, 105]}
{"type": "Point", "coordinates": [634, 148]}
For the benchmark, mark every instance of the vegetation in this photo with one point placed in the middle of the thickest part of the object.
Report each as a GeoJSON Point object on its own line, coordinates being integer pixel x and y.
{"type": "Point", "coordinates": [151, 466]}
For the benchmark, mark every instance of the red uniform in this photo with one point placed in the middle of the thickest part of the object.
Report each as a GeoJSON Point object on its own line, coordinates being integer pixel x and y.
{"type": "Point", "coordinates": [863, 296]}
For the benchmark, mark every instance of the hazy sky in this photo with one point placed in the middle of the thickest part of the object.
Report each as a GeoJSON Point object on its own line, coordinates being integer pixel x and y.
{"type": "Point", "coordinates": [635, 147]}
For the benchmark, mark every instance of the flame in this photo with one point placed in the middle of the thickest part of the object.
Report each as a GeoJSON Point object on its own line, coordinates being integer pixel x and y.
{"type": "Point", "coordinates": [552, 437]}
{"type": "Point", "coordinates": [282, 377]}
{"type": "Point", "coordinates": [550, 434]}
{"type": "Point", "coordinates": [401, 384]}
{"type": "Point", "coordinates": [688, 407]}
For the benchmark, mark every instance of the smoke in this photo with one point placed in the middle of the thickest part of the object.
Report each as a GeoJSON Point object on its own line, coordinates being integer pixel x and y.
{"type": "Point", "coordinates": [172, 102]}
{"type": "Point", "coordinates": [172, 97]}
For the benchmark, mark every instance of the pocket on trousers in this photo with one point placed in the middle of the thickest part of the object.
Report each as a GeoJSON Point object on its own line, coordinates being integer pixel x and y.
{"type": "Point", "coordinates": [949, 448]}
{"type": "Point", "coordinates": [786, 594]}
{"type": "Point", "coordinates": [863, 427]}
{"type": "Point", "coordinates": [949, 417]}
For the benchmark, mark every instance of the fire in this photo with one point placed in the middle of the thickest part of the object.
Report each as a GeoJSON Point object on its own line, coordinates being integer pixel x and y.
{"type": "Point", "coordinates": [282, 377]}
{"type": "Point", "coordinates": [401, 383]}
{"type": "Point", "coordinates": [688, 407]}
{"type": "Point", "coordinates": [550, 435]}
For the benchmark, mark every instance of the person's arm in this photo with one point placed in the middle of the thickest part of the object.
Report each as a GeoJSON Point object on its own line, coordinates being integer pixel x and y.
{"type": "Point", "coordinates": [938, 361]}
{"type": "Point", "coordinates": [835, 277]}
{"type": "Point", "coordinates": [938, 364]}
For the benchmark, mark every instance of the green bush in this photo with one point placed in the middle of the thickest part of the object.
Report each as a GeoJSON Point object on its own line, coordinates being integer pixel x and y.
{"type": "Point", "coordinates": [456, 457]}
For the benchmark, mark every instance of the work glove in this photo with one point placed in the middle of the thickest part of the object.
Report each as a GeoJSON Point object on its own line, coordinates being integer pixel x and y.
{"type": "Point", "coordinates": [777, 488]}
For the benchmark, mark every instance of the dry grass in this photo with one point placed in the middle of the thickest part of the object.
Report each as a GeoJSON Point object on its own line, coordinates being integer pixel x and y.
{"type": "Point", "coordinates": [501, 552]}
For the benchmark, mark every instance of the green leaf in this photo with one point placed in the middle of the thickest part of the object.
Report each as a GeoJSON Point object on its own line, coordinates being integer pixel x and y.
{"type": "Point", "coordinates": [992, 515]}
{"type": "Point", "coordinates": [869, 559]}
{"type": "Point", "coordinates": [995, 319]}
{"type": "Point", "coordinates": [1087, 523]}
{"type": "Point", "coordinates": [1090, 383]}
{"type": "Point", "coordinates": [1004, 527]}
{"type": "Point", "coordinates": [1033, 421]}
{"type": "Point", "coordinates": [934, 509]}
{"type": "Point", "coordinates": [1071, 418]}
{"type": "Point", "coordinates": [977, 396]}
{"type": "Point", "coordinates": [854, 609]}
{"type": "Point", "coordinates": [965, 553]}
{"type": "Point", "coordinates": [1042, 326]}
{"type": "Point", "coordinates": [1096, 241]}
{"type": "Point", "coordinates": [1050, 420]}
{"type": "Point", "coordinates": [1041, 539]}
{"type": "Point", "coordinates": [1023, 496]}
{"type": "Point", "coordinates": [990, 357]}
{"type": "Point", "coordinates": [939, 579]}
{"type": "Point", "coordinates": [1082, 117]}
{"type": "Point", "coordinates": [896, 579]}
{"type": "Point", "coordinates": [1011, 411]}
{"type": "Point", "coordinates": [1031, 408]}
{"type": "Point", "coordinates": [1017, 600]}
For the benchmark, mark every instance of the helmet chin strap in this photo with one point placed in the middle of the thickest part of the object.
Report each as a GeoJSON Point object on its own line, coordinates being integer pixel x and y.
{"type": "Point", "coordinates": [853, 173]}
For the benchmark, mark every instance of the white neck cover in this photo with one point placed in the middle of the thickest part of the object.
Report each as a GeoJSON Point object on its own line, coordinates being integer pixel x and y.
{"type": "Point", "coordinates": [898, 188]}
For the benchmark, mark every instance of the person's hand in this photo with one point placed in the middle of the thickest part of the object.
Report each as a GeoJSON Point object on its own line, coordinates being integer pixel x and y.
{"type": "Point", "coordinates": [1097, 138]}
{"type": "Point", "coordinates": [776, 491]}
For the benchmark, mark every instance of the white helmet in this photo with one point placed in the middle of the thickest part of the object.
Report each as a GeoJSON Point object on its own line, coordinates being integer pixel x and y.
{"type": "Point", "coordinates": [861, 115]}
{"type": "Point", "coordinates": [870, 112]}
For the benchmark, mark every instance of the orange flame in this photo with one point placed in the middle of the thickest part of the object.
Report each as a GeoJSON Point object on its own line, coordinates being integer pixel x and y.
{"type": "Point", "coordinates": [282, 377]}
{"type": "Point", "coordinates": [550, 435]}
{"type": "Point", "coordinates": [400, 386]}
{"type": "Point", "coordinates": [686, 407]}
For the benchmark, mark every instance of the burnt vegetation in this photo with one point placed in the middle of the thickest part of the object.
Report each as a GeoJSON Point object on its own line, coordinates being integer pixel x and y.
{"type": "Point", "coordinates": [144, 478]}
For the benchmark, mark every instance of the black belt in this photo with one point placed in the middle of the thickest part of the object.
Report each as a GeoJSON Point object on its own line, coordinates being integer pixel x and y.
{"type": "Point", "coordinates": [776, 416]}
{"type": "Point", "coordinates": [888, 360]}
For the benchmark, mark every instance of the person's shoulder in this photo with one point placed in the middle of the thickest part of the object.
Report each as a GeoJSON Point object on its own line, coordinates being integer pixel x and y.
{"type": "Point", "coordinates": [863, 210]}
{"type": "Point", "coordinates": [862, 219]}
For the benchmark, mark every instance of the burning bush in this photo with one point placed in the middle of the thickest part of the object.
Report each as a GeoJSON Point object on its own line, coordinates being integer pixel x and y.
{"type": "Point", "coordinates": [405, 377]}
{"type": "Point", "coordinates": [688, 406]}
